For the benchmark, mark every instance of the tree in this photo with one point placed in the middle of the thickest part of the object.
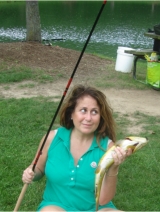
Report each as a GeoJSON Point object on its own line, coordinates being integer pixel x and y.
{"type": "Point", "coordinates": [33, 23]}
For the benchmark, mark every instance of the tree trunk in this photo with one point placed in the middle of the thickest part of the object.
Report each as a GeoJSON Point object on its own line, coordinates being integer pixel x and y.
{"type": "Point", "coordinates": [33, 23]}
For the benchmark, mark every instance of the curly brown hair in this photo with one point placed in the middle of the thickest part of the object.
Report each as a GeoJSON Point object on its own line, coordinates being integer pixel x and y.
{"type": "Point", "coordinates": [107, 124]}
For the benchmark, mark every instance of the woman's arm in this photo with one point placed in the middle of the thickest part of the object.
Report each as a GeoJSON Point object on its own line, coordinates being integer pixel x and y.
{"type": "Point", "coordinates": [109, 183]}
{"type": "Point", "coordinates": [28, 174]}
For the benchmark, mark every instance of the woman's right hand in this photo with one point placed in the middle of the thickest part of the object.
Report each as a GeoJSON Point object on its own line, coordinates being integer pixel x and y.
{"type": "Point", "coordinates": [28, 175]}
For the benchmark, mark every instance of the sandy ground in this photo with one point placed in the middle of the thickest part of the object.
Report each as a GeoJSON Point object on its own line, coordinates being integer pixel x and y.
{"type": "Point", "coordinates": [122, 101]}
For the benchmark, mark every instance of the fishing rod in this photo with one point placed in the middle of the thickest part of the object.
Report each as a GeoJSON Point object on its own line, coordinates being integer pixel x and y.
{"type": "Point", "coordinates": [58, 108]}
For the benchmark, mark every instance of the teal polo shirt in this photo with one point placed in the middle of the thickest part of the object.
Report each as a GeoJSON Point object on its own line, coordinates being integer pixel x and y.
{"type": "Point", "coordinates": [70, 186]}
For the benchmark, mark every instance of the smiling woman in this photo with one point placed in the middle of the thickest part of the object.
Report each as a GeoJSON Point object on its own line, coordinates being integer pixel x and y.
{"type": "Point", "coordinates": [87, 127]}
{"type": "Point", "coordinates": [100, 106]}
{"type": "Point", "coordinates": [86, 116]}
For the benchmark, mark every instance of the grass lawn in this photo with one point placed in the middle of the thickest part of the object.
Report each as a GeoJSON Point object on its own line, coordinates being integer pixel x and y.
{"type": "Point", "coordinates": [25, 121]}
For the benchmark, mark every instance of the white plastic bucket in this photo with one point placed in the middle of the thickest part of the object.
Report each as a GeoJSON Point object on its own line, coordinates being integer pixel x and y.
{"type": "Point", "coordinates": [124, 61]}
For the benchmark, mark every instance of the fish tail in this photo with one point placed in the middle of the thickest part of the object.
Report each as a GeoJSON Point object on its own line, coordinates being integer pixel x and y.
{"type": "Point", "coordinates": [97, 201]}
{"type": "Point", "coordinates": [98, 188]}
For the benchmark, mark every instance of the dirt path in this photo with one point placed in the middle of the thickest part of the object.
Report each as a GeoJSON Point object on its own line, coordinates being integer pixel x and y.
{"type": "Point", "coordinates": [130, 101]}
{"type": "Point", "coordinates": [122, 101]}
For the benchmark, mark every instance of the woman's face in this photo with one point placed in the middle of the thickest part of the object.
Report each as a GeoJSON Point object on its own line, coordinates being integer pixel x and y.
{"type": "Point", "coordinates": [86, 115]}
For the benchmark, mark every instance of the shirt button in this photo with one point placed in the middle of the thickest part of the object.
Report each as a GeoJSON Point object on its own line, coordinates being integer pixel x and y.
{"type": "Point", "coordinates": [72, 170]}
{"type": "Point", "coordinates": [77, 166]}
{"type": "Point", "coordinates": [81, 159]}
{"type": "Point", "coordinates": [72, 178]}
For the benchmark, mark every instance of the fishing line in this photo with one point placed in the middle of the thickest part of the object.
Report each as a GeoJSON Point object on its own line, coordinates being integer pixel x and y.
{"type": "Point", "coordinates": [58, 108]}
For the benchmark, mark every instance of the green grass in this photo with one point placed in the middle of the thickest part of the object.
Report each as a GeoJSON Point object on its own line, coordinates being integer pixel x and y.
{"type": "Point", "coordinates": [21, 73]}
{"type": "Point", "coordinates": [25, 121]}
{"type": "Point", "coordinates": [139, 175]}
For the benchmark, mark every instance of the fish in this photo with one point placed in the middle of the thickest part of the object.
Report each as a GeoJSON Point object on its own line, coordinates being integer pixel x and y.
{"type": "Point", "coordinates": [132, 142]}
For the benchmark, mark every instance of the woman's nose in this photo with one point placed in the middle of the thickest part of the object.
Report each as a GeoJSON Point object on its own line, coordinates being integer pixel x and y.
{"type": "Point", "coordinates": [88, 116]}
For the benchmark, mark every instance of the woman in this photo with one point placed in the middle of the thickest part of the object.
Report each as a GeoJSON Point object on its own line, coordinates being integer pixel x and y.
{"type": "Point", "coordinates": [72, 152]}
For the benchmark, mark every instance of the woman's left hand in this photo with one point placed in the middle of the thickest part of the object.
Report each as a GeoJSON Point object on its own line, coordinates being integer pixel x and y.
{"type": "Point", "coordinates": [120, 155]}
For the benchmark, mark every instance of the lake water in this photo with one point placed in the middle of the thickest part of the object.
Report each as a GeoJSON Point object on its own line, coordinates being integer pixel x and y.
{"type": "Point", "coordinates": [122, 23]}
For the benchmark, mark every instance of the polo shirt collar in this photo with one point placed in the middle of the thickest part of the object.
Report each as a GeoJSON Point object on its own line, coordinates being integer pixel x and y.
{"type": "Point", "coordinates": [65, 136]}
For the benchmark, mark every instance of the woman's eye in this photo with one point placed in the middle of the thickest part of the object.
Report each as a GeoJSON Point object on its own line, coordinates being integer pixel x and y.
{"type": "Point", "coordinates": [94, 112]}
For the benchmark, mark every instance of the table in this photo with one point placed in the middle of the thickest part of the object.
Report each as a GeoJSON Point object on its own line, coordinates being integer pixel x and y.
{"type": "Point", "coordinates": [140, 53]}
{"type": "Point", "coordinates": [156, 45]}
{"type": "Point", "coordinates": [152, 35]}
